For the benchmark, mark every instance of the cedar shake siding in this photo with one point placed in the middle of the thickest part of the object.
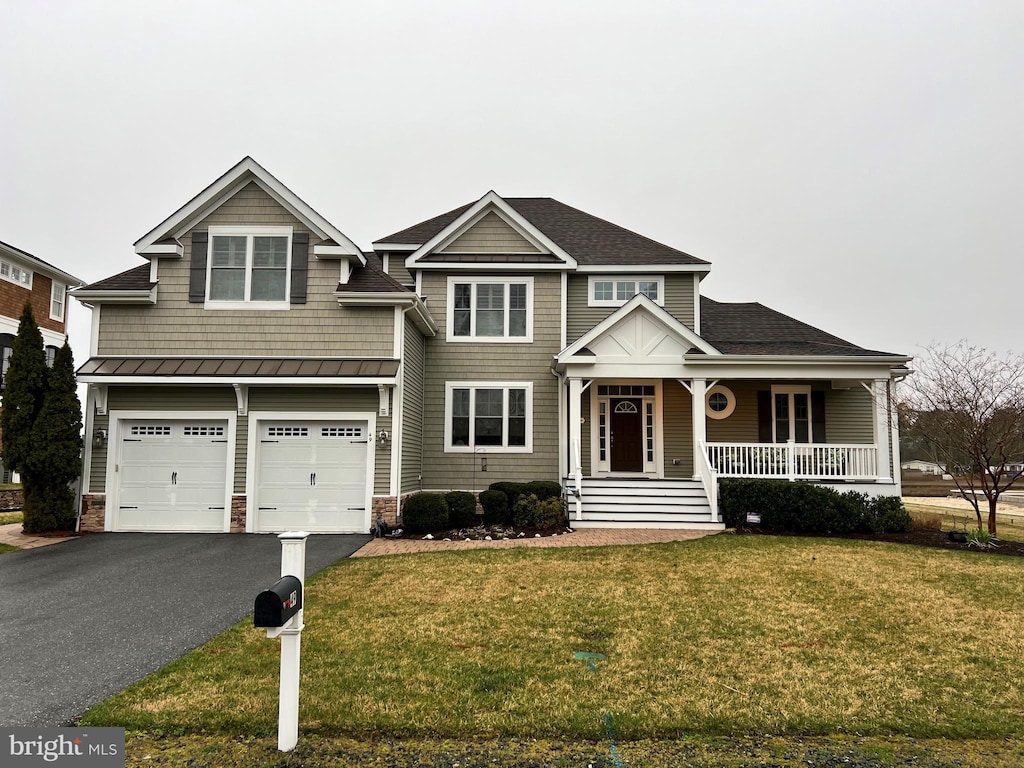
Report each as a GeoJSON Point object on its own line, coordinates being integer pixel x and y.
{"type": "Point", "coordinates": [176, 326]}
{"type": "Point", "coordinates": [412, 410]}
{"type": "Point", "coordinates": [492, 234]}
{"type": "Point", "coordinates": [679, 294]}
{"type": "Point", "coordinates": [500, 362]}
{"type": "Point", "coordinates": [677, 405]}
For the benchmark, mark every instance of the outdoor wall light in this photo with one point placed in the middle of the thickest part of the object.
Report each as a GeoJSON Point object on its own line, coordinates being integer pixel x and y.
{"type": "Point", "coordinates": [383, 437]}
{"type": "Point", "coordinates": [99, 438]}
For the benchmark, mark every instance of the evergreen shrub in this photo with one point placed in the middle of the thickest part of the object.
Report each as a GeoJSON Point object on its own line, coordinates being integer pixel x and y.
{"type": "Point", "coordinates": [425, 512]}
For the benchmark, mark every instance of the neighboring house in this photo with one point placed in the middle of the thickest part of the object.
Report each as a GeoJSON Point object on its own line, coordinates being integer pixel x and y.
{"type": "Point", "coordinates": [26, 278]}
{"type": "Point", "coordinates": [928, 467]}
{"type": "Point", "coordinates": [262, 373]}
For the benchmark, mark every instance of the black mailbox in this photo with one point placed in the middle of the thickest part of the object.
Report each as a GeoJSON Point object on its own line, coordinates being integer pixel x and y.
{"type": "Point", "coordinates": [276, 605]}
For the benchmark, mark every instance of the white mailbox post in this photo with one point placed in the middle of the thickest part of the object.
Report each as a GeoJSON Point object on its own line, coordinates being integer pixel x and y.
{"type": "Point", "coordinates": [293, 567]}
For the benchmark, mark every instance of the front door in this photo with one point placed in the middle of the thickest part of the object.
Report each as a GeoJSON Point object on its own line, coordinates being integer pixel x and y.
{"type": "Point", "coordinates": [627, 438]}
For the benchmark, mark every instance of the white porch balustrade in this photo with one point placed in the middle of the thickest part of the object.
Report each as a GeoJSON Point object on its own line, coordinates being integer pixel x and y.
{"type": "Point", "coordinates": [794, 461]}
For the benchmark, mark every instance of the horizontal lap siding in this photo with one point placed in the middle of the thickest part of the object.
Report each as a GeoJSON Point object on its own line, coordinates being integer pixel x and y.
{"type": "Point", "coordinates": [177, 327]}
{"type": "Point", "coordinates": [581, 318]}
{"type": "Point", "coordinates": [741, 425]}
{"type": "Point", "coordinates": [493, 362]}
{"type": "Point", "coordinates": [585, 435]}
{"type": "Point", "coordinates": [412, 410]}
{"type": "Point", "coordinates": [678, 426]}
{"type": "Point", "coordinates": [849, 416]}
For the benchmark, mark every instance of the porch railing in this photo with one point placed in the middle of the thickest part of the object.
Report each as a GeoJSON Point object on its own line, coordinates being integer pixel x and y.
{"type": "Point", "coordinates": [709, 479]}
{"type": "Point", "coordinates": [794, 461]}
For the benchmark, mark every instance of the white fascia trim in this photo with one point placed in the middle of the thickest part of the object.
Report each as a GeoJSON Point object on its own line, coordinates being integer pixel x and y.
{"type": "Point", "coordinates": [175, 249]}
{"type": "Point", "coordinates": [637, 303]}
{"type": "Point", "coordinates": [380, 245]}
{"type": "Point", "coordinates": [476, 211]}
{"type": "Point", "coordinates": [265, 381]}
{"type": "Point", "coordinates": [641, 268]}
{"type": "Point", "coordinates": [322, 251]}
{"type": "Point", "coordinates": [38, 265]}
{"type": "Point", "coordinates": [234, 179]}
{"type": "Point", "coordinates": [420, 314]}
{"type": "Point", "coordinates": [793, 370]}
{"type": "Point", "coordinates": [795, 359]}
{"type": "Point", "coordinates": [117, 297]}
{"type": "Point", "coordinates": [473, 266]}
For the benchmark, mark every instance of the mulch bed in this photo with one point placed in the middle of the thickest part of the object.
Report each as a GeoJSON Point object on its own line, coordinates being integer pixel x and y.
{"type": "Point", "coordinates": [937, 539]}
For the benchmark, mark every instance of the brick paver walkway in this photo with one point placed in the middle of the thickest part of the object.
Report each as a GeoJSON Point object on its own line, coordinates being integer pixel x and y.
{"type": "Point", "coordinates": [589, 537]}
{"type": "Point", "coordinates": [11, 534]}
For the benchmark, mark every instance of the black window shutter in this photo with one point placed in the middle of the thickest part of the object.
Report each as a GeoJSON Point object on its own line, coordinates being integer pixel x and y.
{"type": "Point", "coordinates": [197, 269]}
{"type": "Point", "coordinates": [817, 416]}
{"type": "Point", "coordinates": [764, 417]}
{"type": "Point", "coordinates": [300, 266]}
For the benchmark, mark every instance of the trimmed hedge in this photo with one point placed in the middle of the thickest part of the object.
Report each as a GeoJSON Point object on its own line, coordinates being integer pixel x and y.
{"type": "Point", "coordinates": [461, 509]}
{"type": "Point", "coordinates": [425, 512]}
{"type": "Point", "coordinates": [803, 508]}
{"type": "Point", "coordinates": [544, 489]}
{"type": "Point", "coordinates": [495, 504]}
{"type": "Point", "coordinates": [512, 491]}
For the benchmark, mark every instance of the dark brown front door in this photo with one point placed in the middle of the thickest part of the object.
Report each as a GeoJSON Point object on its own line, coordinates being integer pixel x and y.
{"type": "Point", "coordinates": [627, 435]}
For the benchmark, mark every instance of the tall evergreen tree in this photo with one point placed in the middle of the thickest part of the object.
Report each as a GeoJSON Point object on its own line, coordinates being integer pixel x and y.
{"type": "Point", "coordinates": [24, 389]}
{"type": "Point", "coordinates": [55, 458]}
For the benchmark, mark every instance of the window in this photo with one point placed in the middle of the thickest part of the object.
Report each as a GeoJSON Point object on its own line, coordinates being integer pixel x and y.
{"type": "Point", "coordinates": [721, 402]}
{"type": "Point", "coordinates": [616, 291]}
{"type": "Point", "coordinates": [490, 309]}
{"type": "Point", "coordinates": [57, 301]}
{"type": "Point", "coordinates": [51, 354]}
{"type": "Point", "coordinates": [15, 274]}
{"type": "Point", "coordinates": [791, 414]}
{"type": "Point", "coordinates": [488, 416]}
{"type": "Point", "coordinates": [6, 350]}
{"type": "Point", "coordinates": [249, 266]}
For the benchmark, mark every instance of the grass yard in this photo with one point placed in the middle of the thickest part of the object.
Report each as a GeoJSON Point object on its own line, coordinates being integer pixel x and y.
{"type": "Point", "coordinates": [5, 548]}
{"type": "Point", "coordinates": [6, 518]}
{"type": "Point", "coordinates": [1010, 527]}
{"type": "Point", "coordinates": [727, 636]}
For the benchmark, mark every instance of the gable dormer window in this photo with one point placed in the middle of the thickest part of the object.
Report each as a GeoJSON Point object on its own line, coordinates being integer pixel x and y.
{"type": "Point", "coordinates": [616, 290]}
{"type": "Point", "coordinates": [248, 267]}
{"type": "Point", "coordinates": [490, 309]}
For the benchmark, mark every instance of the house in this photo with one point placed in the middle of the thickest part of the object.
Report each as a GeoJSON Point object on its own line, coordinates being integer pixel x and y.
{"type": "Point", "coordinates": [27, 278]}
{"type": "Point", "coordinates": [262, 373]}
{"type": "Point", "coordinates": [927, 467]}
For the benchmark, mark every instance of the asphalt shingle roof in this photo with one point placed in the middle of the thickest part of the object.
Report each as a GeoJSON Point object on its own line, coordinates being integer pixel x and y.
{"type": "Point", "coordinates": [754, 329]}
{"type": "Point", "coordinates": [134, 279]}
{"type": "Point", "coordinates": [588, 239]}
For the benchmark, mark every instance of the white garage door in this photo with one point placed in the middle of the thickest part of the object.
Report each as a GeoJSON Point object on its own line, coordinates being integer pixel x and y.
{"type": "Point", "coordinates": [311, 476]}
{"type": "Point", "coordinates": [172, 476]}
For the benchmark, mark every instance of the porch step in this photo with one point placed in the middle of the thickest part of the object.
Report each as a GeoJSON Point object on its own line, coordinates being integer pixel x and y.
{"type": "Point", "coordinates": [643, 503]}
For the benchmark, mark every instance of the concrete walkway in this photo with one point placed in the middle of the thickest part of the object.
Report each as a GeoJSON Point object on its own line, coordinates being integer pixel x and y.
{"type": "Point", "coordinates": [589, 537]}
{"type": "Point", "coordinates": [11, 534]}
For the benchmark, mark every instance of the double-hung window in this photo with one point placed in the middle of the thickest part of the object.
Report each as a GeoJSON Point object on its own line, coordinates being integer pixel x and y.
{"type": "Point", "coordinates": [249, 267]}
{"type": "Point", "coordinates": [791, 414]}
{"type": "Point", "coordinates": [57, 301]}
{"type": "Point", "coordinates": [490, 309]}
{"type": "Point", "coordinates": [614, 291]}
{"type": "Point", "coordinates": [491, 416]}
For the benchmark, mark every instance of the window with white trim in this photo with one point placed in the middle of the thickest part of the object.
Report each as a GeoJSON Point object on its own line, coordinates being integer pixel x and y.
{"type": "Point", "coordinates": [490, 309]}
{"type": "Point", "coordinates": [492, 416]}
{"type": "Point", "coordinates": [791, 414]}
{"type": "Point", "coordinates": [249, 267]}
{"type": "Point", "coordinates": [616, 290]}
{"type": "Point", "coordinates": [57, 301]}
{"type": "Point", "coordinates": [15, 274]}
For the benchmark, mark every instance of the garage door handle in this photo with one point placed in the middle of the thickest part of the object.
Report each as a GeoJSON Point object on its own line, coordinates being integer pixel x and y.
{"type": "Point", "coordinates": [127, 507]}
{"type": "Point", "coordinates": [266, 441]}
{"type": "Point", "coordinates": [356, 442]}
{"type": "Point", "coordinates": [174, 478]}
{"type": "Point", "coordinates": [218, 441]}
{"type": "Point", "coordinates": [132, 440]}
{"type": "Point", "coordinates": [215, 507]}
{"type": "Point", "coordinates": [312, 478]}
{"type": "Point", "coordinates": [356, 509]}
{"type": "Point", "coordinates": [272, 509]}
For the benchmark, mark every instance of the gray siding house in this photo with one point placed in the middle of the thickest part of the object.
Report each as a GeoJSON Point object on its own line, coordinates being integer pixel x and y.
{"type": "Point", "coordinates": [262, 373]}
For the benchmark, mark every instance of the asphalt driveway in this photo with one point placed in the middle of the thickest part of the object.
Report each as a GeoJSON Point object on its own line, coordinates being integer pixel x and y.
{"type": "Point", "coordinates": [83, 619]}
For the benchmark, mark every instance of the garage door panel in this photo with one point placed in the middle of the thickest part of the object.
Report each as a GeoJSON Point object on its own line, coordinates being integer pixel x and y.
{"type": "Point", "coordinates": [312, 476]}
{"type": "Point", "coordinates": [172, 476]}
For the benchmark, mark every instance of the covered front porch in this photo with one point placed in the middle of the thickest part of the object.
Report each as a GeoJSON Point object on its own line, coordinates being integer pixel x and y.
{"type": "Point", "coordinates": [653, 415]}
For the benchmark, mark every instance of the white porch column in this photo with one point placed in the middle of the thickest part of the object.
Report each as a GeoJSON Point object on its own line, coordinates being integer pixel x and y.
{"type": "Point", "coordinates": [698, 388]}
{"type": "Point", "coordinates": [894, 431]}
{"type": "Point", "coordinates": [880, 398]}
{"type": "Point", "coordinates": [575, 441]}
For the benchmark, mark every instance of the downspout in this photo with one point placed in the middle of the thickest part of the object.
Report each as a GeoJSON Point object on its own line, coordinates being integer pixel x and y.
{"type": "Point", "coordinates": [87, 447]}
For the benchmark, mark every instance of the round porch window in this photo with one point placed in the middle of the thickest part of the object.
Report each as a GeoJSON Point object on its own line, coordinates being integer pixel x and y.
{"type": "Point", "coordinates": [721, 402]}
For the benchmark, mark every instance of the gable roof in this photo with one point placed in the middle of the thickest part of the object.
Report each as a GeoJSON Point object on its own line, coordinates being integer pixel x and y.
{"type": "Point", "coordinates": [591, 241]}
{"type": "Point", "coordinates": [39, 265]}
{"type": "Point", "coordinates": [134, 279]}
{"type": "Point", "coordinates": [754, 329]}
{"type": "Point", "coordinates": [371, 278]}
{"type": "Point", "coordinates": [161, 240]}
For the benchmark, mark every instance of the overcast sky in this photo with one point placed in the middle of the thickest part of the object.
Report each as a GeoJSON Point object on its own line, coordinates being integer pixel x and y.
{"type": "Point", "coordinates": [858, 165]}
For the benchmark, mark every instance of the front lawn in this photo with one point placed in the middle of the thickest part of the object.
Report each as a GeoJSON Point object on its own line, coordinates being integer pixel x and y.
{"type": "Point", "coordinates": [6, 518]}
{"type": "Point", "coordinates": [723, 636]}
